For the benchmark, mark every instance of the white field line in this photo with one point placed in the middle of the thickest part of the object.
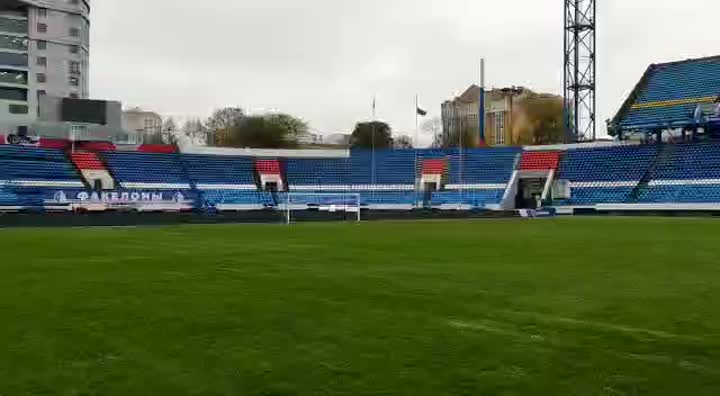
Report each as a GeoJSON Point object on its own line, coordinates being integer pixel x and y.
{"type": "Point", "coordinates": [175, 273]}
{"type": "Point", "coordinates": [608, 326]}
{"type": "Point", "coordinates": [490, 327]}
{"type": "Point", "coordinates": [496, 328]}
{"type": "Point", "coordinates": [231, 269]}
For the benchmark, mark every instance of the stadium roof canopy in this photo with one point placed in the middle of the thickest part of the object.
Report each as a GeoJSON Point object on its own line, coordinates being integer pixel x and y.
{"type": "Point", "coordinates": [668, 96]}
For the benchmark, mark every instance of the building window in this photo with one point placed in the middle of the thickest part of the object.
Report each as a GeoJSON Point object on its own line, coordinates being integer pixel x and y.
{"type": "Point", "coordinates": [11, 25]}
{"type": "Point", "coordinates": [42, 28]}
{"type": "Point", "coordinates": [41, 44]}
{"type": "Point", "coordinates": [41, 77]}
{"type": "Point", "coordinates": [74, 49]}
{"type": "Point", "coordinates": [74, 67]}
{"type": "Point", "coordinates": [74, 32]}
{"type": "Point", "coordinates": [18, 94]}
{"type": "Point", "coordinates": [18, 109]}
{"type": "Point", "coordinates": [13, 77]}
{"type": "Point", "coordinates": [42, 12]}
{"type": "Point", "coordinates": [41, 61]}
{"type": "Point", "coordinates": [13, 43]}
{"type": "Point", "coordinates": [500, 128]}
{"type": "Point", "coordinates": [13, 59]}
{"type": "Point", "coordinates": [74, 81]}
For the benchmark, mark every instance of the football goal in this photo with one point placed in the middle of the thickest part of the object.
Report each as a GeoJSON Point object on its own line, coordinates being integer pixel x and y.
{"type": "Point", "coordinates": [323, 202]}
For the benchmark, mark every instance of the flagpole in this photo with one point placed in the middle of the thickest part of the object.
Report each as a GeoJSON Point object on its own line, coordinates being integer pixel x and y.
{"type": "Point", "coordinates": [481, 103]}
{"type": "Point", "coordinates": [417, 184]}
{"type": "Point", "coordinates": [372, 152]}
{"type": "Point", "coordinates": [417, 107]}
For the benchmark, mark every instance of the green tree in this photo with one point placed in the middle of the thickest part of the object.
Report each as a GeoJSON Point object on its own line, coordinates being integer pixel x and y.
{"type": "Point", "coordinates": [295, 127]}
{"type": "Point", "coordinates": [374, 134]}
{"type": "Point", "coordinates": [265, 131]}
{"type": "Point", "coordinates": [540, 121]}
{"type": "Point", "coordinates": [464, 137]}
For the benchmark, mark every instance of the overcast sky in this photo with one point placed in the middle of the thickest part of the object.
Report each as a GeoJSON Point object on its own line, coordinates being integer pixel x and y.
{"type": "Point", "coordinates": [323, 60]}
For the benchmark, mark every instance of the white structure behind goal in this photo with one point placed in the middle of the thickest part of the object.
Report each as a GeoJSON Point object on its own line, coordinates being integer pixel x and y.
{"type": "Point", "coordinates": [328, 202]}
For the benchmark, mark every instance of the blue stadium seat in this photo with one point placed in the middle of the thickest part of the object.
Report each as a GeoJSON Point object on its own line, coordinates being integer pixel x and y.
{"type": "Point", "coordinates": [686, 173]}
{"type": "Point", "coordinates": [30, 176]}
{"type": "Point", "coordinates": [147, 170]}
{"type": "Point", "coordinates": [216, 169]}
{"type": "Point", "coordinates": [226, 181]}
{"type": "Point", "coordinates": [669, 93]}
{"type": "Point", "coordinates": [604, 175]}
{"type": "Point", "coordinates": [317, 172]}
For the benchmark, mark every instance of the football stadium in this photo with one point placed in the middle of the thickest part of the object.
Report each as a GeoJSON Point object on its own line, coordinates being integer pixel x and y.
{"type": "Point", "coordinates": [454, 291]}
{"type": "Point", "coordinates": [585, 268]}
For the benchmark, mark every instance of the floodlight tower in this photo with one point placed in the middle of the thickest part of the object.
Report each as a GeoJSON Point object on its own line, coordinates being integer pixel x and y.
{"type": "Point", "coordinates": [579, 58]}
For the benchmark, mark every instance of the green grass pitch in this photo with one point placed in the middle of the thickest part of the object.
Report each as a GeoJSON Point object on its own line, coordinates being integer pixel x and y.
{"type": "Point", "coordinates": [586, 306]}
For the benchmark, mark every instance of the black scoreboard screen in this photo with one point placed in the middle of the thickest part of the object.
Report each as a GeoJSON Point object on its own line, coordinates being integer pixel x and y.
{"type": "Point", "coordinates": [85, 111]}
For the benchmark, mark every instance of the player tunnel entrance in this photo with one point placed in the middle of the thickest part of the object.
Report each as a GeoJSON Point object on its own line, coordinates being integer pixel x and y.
{"type": "Point", "coordinates": [530, 192]}
{"type": "Point", "coordinates": [535, 177]}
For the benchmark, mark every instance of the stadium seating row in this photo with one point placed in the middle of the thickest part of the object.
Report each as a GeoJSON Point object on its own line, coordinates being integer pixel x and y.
{"type": "Point", "coordinates": [627, 174]}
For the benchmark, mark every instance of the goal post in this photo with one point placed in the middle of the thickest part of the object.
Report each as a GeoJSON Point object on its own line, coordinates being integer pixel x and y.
{"type": "Point", "coordinates": [327, 202]}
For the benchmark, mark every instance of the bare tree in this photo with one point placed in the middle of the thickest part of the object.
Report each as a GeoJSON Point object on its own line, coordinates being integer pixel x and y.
{"type": "Point", "coordinates": [169, 131]}
{"type": "Point", "coordinates": [434, 127]}
{"type": "Point", "coordinates": [403, 142]}
{"type": "Point", "coordinates": [194, 130]}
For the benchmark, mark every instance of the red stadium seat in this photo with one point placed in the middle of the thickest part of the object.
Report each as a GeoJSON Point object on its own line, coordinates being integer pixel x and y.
{"type": "Point", "coordinates": [157, 148]}
{"type": "Point", "coordinates": [87, 161]}
{"type": "Point", "coordinates": [540, 160]}
{"type": "Point", "coordinates": [434, 167]}
{"type": "Point", "coordinates": [268, 167]}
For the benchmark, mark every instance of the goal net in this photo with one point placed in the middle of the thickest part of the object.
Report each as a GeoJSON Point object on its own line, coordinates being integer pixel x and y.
{"type": "Point", "coordinates": [346, 203]}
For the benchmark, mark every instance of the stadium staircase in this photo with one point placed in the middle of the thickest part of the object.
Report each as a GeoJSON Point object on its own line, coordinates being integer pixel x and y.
{"type": "Point", "coordinates": [690, 175]}
{"type": "Point", "coordinates": [605, 175]}
{"type": "Point", "coordinates": [665, 153]}
{"type": "Point", "coordinates": [185, 170]}
{"type": "Point", "coordinates": [226, 182]}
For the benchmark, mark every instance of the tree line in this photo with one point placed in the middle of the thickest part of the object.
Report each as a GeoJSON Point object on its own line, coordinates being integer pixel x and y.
{"type": "Point", "coordinates": [539, 122]}
{"type": "Point", "coordinates": [231, 127]}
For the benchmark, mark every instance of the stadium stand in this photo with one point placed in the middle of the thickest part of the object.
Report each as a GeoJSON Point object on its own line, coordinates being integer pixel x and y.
{"type": "Point", "coordinates": [226, 182]}
{"type": "Point", "coordinates": [30, 177]}
{"type": "Point", "coordinates": [478, 177]}
{"type": "Point", "coordinates": [487, 178]}
{"type": "Point", "coordinates": [604, 175]}
{"type": "Point", "coordinates": [147, 171]}
{"type": "Point", "coordinates": [684, 173]}
{"type": "Point", "coordinates": [668, 95]}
